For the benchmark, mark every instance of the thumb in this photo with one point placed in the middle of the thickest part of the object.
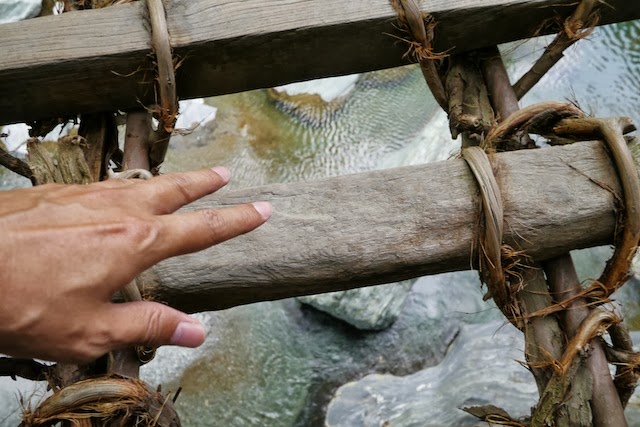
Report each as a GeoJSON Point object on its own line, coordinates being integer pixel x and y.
{"type": "Point", "coordinates": [152, 324]}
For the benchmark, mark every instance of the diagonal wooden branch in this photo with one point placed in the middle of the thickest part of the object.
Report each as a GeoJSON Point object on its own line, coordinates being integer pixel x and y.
{"type": "Point", "coordinates": [24, 368]}
{"type": "Point", "coordinates": [544, 339]}
{"type": "Point", "coordinates": [565, 286]}
{"type": "Point", "coordinates": [136, 144]}
{"type": "Point", "coordinates": [575, 28]}
{"type": "Point", "coordinates": [137, 149]}
{"type": "Point", "coordinates": [503, 98]}
{"type": "Point", "coordinates": [577, 349]}
{"type": "Point", "coordinates": [16, 165]}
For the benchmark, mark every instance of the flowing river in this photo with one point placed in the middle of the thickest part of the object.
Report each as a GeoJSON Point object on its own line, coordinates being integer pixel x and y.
{"type": "Point", "coordinates": [286, 364]}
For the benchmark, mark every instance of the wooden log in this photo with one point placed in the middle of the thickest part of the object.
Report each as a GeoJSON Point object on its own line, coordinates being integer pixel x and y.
{"type": "Point", "coordinates": [97, 60]}
{"type": "Point", "coordinates": [379, 227]}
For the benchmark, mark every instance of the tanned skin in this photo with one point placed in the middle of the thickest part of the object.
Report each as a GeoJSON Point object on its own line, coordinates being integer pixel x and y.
{"type": "Point", "coordinates": [66, 249]}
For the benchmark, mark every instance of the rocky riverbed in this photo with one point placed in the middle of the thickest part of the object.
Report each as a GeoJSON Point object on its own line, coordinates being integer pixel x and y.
{"type": "Point", "coordinates": [17, 10]}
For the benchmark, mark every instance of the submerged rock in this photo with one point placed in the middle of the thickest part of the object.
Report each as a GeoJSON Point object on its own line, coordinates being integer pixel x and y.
{"type": "Point", "coordinates": [369, 309]}
{"type": "Point", "coordinates": [480, 369]}
{"type": "Point", "coordinates": [311, 109]}
{"type": "Point", "coordinates": [278, 363]}
{"type": "Point", "coordinates": [328, 89]}
{"type": "Point", "coordinates": [17, 10]}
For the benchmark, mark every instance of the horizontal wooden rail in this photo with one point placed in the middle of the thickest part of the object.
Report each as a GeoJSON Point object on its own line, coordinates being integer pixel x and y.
{"type": "Point", "coordinates": [378, 227]}
{"type": "Point", "coordinates": [97, 60]}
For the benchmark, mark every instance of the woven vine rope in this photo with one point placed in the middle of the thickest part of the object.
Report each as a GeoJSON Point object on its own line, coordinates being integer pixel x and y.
{"type": "Point", "coordinates": [566, 120]}
{"type": "Point", "coordinates": [490, 241]}
{"type": "Point", "coordinates": [105, 401]}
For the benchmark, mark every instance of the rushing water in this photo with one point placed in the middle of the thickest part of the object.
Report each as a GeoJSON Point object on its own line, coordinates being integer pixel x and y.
{"type": "Point", "coordinates": [266, 136]}
{"type": "Point", "coordinates": [277, 364]}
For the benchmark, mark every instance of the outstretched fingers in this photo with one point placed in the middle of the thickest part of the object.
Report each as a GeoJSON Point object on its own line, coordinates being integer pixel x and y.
{"type": "Point", "coordinates": [168, 193]}
{"type": "Point", "coordinates": [151, 324]}
{"type": "Point", "coordinates": [194, 231]}
{"type": "Point", "coordinates": [173, 191]}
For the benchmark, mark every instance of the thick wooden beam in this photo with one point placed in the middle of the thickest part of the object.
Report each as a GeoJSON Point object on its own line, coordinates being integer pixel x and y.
{"type": "Point", "coordinates": [97, 60]}
{"type": "Point", "coordinates": [379, 227]}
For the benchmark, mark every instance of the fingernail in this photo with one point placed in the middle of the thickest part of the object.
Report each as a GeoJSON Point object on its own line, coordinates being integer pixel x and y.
{"type": "Point", "coordinates": [223, 172]}
{"type": "Point", "coordinates": [264, 208]}
{"type": "Point", "coordinates": [189, 334]}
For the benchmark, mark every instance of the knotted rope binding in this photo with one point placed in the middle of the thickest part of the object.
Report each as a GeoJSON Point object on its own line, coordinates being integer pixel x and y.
{"type": "Point", "coordinates": [110, 401]}
{"type": "Point", "coordinates": [567, 120]}
{"type": "Point", "coordinates": [420, 26]}
{"type": "Point", "coordinates": [490, 242]}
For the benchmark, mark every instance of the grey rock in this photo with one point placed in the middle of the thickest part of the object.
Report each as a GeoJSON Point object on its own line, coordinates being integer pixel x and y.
{"type": "Point", "coordinates": [590, 262]}
{"type": "Point", "coordinates": [480, 369]}
{"type": "Point", "coordinates": [17, 396]}
{"type": "Point", "coordinates": [278, 363]}
{"type": "Point", "coordinates": [17, 10]}
{"type": "Point", "coordinates": [10, 180]}
{"type": "Point", "coordinates": [374, 308]}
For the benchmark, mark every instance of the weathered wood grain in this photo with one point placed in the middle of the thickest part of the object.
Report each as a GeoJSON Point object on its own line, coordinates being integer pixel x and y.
{"type": "Point", "coordinates": [86, 61]}
{"type": "Point", "coordinates": [384, 226]}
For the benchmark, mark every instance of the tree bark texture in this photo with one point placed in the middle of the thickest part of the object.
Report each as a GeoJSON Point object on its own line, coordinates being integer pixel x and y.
{"type": "Point", "coordinates": [384, 226]}
{"type": "Point", "coordinates": [97, 60]}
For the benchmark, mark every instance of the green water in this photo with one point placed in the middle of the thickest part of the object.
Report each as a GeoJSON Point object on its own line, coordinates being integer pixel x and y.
{"type": "Point", "coordinates": [264, 140]}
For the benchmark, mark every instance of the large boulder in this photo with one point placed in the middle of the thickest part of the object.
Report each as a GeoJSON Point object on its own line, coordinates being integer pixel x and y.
{"type": "Point", "coordinates": [480, 369]}
{"type": "Point", "coordinates": [374, 308]}
{"type": "Point", "coordinates": [17, 10]}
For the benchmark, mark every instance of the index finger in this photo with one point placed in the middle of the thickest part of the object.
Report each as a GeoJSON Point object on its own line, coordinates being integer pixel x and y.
{"type": "Point", "coordinates": [167, 193]}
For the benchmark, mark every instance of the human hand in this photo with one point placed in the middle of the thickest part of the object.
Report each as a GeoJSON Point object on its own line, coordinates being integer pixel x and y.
{"type": "Point", "coordinates": [66, 249]}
